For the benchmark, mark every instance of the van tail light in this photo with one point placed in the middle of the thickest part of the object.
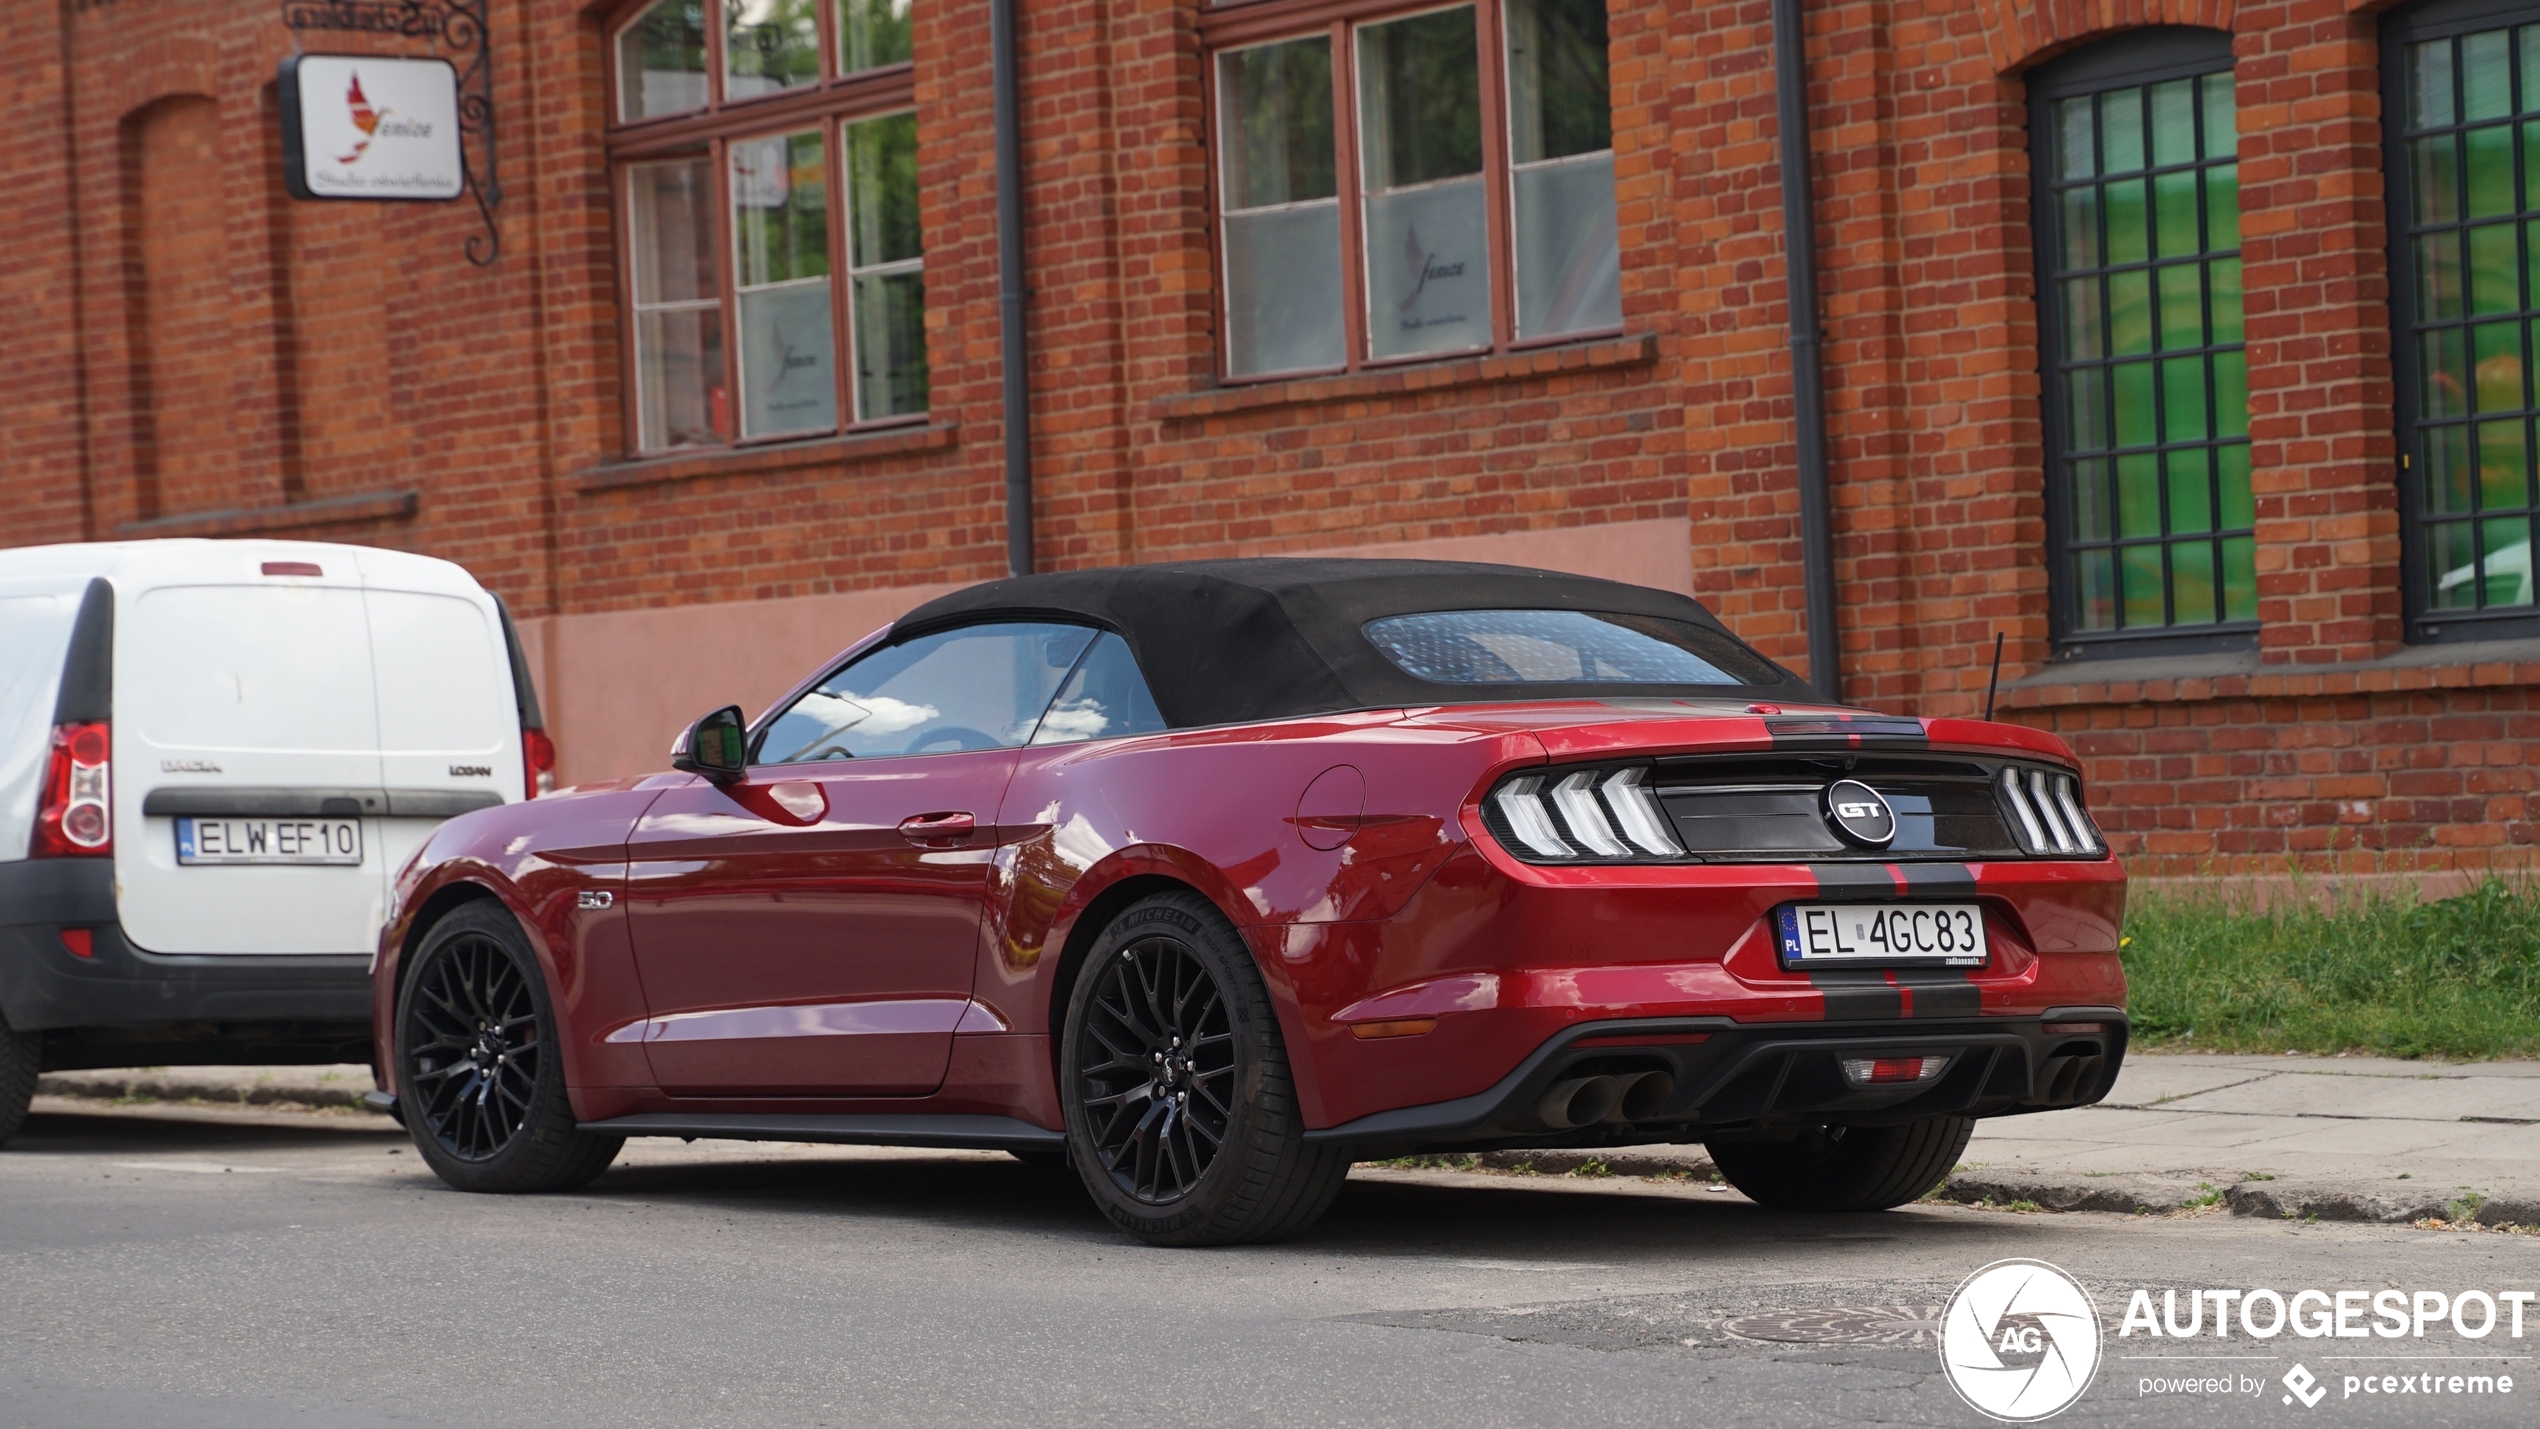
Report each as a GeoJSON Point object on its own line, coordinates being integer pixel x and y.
{"type": "Point", "coordinates": [76, 818]}
{"type": "Point", "coordinates": [538, 754]}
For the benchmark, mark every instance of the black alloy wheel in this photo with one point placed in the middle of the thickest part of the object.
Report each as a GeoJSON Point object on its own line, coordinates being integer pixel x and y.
{"type": "Point", "coordinates": [473, 1049]}
{"type": "Point", "coordinates": [1182, 1118]}
{"type": "Point", "coordinates": [479, 1087]}
{"type": "Point", "coordinates": [1161, 1099]}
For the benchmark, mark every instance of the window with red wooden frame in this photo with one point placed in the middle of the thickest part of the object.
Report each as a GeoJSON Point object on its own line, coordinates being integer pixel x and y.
{"type": "Point", "coordinates": [1399, 180]}
{"type": "Point", "coordinates": [763, 164]}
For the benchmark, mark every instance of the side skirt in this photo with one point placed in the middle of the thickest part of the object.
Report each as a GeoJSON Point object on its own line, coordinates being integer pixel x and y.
{"type": "Point", "coordinates": [972, 1133]}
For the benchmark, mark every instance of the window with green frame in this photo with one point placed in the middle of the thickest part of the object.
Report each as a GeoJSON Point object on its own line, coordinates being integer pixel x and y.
{"type": "Point", "coordinates": [2147, 390]}
{"type": "Point", "coordinates": [2464, 116]}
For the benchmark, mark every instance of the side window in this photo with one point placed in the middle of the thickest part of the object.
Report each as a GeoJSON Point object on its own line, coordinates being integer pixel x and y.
{"type": "Point", "coordinates": [2147, 391]}
{"type": "Point", "coordinates": [1105, 699]}
{"type": "Point", "coordinates": [759, 304]}
{"type": "Point", "coordinates": [2461, 101]}
{"type": "Point", "coordinates": [976, 687]}
{"type": "Point", "coordinates": [1473, 196]}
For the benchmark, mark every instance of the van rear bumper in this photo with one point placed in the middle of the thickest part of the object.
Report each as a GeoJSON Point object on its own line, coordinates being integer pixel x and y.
{"type": "Point", "coordinates": [125, 1006]}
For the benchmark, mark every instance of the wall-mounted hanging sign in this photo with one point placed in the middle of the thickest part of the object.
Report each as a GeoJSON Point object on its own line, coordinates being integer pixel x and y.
{"type": "Point", "coordinates": [395, 127]}
{"type": "Point", "coordinates": [364, 127]}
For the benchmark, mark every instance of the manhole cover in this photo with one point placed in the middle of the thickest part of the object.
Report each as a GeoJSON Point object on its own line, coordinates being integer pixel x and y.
{"type": "Point", "coordinates": [1841, 1325]}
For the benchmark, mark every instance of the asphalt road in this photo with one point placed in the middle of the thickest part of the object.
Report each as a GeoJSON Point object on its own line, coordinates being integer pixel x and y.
{"type": "Point", "coordinates": [225, 1269]}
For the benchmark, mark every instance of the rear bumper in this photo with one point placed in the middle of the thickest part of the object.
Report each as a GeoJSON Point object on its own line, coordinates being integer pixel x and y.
{"type": "Point", "coordinates": [125, 1006]}
{"type": "Point", "coordinates": [1727, 1077]}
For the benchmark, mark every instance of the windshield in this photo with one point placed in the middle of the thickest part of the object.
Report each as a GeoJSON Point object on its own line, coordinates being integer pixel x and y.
{"type": "Point", "coordinates": [1565, 647]}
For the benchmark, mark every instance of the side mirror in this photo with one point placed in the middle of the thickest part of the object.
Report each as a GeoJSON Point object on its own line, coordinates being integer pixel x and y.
{"type": "Point", "coordinates": [715, 747]}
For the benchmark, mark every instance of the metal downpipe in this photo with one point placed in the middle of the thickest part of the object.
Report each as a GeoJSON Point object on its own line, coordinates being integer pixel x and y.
{"type": "Point", "coordinates": [1807, 378]}
{"type": "Point", "coordinates": [1015, 357]}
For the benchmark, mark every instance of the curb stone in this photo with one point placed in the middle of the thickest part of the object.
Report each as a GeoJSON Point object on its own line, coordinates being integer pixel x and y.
{"type": "Point", "coordinates": [2332, 1201]}
{"type": "Point", "coordinates": [120, 1086]}
{"type": "Point", "coordinates": [2121, 1195]}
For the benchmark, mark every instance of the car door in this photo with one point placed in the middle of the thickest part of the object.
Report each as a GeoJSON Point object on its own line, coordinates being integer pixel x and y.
{"type": "Point", "coordinates": [813, 929]}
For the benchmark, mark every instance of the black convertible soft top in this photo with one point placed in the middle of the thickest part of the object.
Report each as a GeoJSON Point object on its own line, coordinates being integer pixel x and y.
{"type": "Point", "coordinates": [1229, 642]}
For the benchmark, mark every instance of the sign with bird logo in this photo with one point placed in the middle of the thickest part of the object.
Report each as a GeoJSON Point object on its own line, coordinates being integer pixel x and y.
{"type": "Point", "coordinates": [370, 127]}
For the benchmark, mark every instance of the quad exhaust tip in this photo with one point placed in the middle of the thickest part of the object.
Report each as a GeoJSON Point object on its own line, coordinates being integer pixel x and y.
{"type": "Point", "coordinates": [1578, 1101]}
{"type": "Point", "coordinates": [1620, 1100]}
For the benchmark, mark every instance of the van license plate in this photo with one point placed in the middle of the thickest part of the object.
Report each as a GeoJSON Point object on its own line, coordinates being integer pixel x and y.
{"type": "Point", "coordinates": [303, 841]}
{"type": "Point", "coordinates": [1838, 934]}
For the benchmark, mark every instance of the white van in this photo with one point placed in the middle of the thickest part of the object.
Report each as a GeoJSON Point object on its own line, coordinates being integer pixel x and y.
{"type": "Point", "coordinates": [214, 755]}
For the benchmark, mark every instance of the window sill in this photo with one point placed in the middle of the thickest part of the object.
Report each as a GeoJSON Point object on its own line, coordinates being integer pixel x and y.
{"type": "Point", "coordinates": [2237, 675]}
{"type": "Point", "coordinates": [763, 460]}
{"type": "Point", "coordinates": [256, 520]}
{"type": "Point", "coordinates": [1602, 354]}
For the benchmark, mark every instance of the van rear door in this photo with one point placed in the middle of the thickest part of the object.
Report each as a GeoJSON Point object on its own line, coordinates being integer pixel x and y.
{"type": "Point", "coordinates": [449, 736]}
{"type": "Point", "coordinates": [246, 758]}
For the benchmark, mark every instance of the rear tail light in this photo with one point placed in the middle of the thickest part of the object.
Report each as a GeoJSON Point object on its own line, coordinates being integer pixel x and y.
{"type": "Point", "coordinates": [1887, 1071]}
{"type": "Point", "coordinates": [76, 818]}
{"type": "Point", "coordinates": [2047, 814]}
{"type": "Point", "coordinates": [538, 754]}
{"type": "Point", "coordinates": [1602, 813]}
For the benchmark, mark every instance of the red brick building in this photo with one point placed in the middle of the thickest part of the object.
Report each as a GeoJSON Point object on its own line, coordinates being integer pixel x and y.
{"type": "Point", "coordinates": [2184, 343]}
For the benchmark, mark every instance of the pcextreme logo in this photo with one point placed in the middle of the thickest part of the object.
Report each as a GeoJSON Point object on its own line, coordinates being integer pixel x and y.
{"type": "Point", "coordinates": [2020, 1341]}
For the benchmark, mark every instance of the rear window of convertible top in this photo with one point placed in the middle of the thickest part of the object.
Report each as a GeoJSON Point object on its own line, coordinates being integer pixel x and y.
{"type": "Point", "coordinates": [1565, 647]}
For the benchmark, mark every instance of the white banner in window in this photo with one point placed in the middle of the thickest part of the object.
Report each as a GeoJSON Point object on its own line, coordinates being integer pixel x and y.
{"type": "Point", "coordinates": [762, 173]}
{"type": "Point", "coordinates": [366, 127]}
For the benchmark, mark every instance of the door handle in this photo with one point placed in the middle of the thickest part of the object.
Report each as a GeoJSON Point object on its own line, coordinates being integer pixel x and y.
{"type": "Point", "coordinates": [928, 828]}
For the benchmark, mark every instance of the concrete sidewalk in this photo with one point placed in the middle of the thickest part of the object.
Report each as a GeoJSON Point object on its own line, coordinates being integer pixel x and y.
{"type": "Point", "coordinates": [2340, 1138]}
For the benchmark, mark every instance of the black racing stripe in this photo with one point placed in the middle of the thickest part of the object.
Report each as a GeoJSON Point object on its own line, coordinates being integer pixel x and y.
{"type": "Point", "coordinates": [1858, 994]}
{"type": "Point", "coordinates": [1856, 880]}
{"type": "Point", "coordinates": [1941, 992]}
{"type": "Point", "coordinates": [1938, 878]}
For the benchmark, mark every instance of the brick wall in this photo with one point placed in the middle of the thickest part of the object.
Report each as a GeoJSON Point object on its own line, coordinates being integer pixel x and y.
{"type": "Point", "coordinates": [199, 355]}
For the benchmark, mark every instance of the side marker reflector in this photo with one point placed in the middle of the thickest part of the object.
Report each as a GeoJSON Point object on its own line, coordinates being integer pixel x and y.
{"type": "Point", "coordinates": [1399, 1027]}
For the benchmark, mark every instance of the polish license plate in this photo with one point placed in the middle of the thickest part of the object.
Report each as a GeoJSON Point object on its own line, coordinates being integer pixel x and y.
{"type": "Point", "coordinates": [290, 841]}
{"type": "Point", "coordinates": [1882, 934]}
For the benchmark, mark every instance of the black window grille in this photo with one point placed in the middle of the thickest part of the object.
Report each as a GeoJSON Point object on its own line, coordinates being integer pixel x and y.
{"type": "Point", "coordinates": [2136, 154]}
{"type": "Point", "coordinates": [2461, 106]}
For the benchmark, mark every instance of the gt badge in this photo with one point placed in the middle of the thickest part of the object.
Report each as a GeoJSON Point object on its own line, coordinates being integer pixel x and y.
{"type": "Point", "coordinates": [1860, 814]}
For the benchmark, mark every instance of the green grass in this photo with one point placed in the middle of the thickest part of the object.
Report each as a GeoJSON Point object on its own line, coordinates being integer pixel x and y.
{"type": "Point", "coordinates": [2389, 976]}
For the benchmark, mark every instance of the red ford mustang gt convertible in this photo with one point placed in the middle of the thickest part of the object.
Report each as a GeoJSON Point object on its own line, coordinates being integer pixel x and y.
{"type": "Point", "coordinates": [1211, 879]}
